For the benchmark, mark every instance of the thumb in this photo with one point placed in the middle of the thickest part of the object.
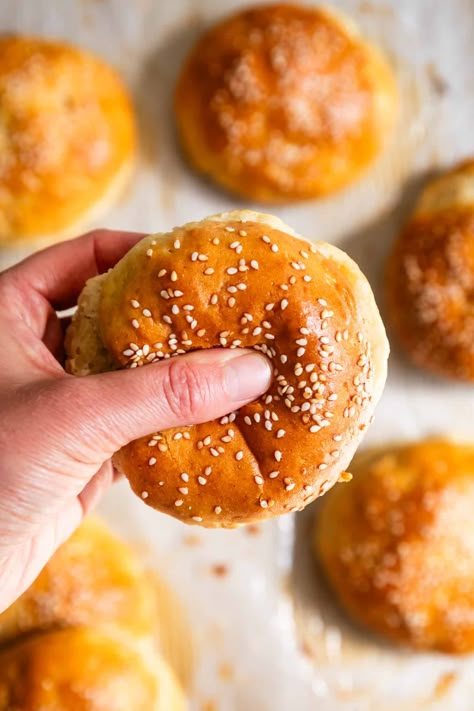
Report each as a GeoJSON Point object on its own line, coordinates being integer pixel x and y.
{"type": "Point", "coordinates": [107, 411]}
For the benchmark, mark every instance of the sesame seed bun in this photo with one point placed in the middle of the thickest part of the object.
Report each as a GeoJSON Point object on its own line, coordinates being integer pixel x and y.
{"type": "Point", "coordinates": [397, 544]}
{"type": "Point", "coordinates": [284, 102]}
{"type": "Point", "coordinates": [85, 668]}
{"type": "Point", "coordinates": [68, 138]}
{"type": "Point", "coordinates": [242, 279]}
{"type": "Point", "coordinates": [430, 277]}
{"type": "Point", "coordinates": [93, 579]}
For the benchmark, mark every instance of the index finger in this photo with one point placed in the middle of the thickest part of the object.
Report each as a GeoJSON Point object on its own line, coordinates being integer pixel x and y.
{"type": "Point", "coordinates": [59, 273]}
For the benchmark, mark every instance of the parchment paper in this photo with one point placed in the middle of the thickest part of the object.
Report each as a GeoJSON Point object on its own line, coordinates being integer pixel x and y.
{"type": "Point", "coordinates": [266, 634]}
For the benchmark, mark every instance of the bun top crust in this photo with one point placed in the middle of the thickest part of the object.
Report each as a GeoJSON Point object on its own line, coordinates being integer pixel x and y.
{"type": "Point", "coordinates": [284, 102]}
{"type": "Point", "coordinates": [430, 277]}
{"type": "Point", "coordinates": [66, 132]}
{"type": "Point", "coordinates": [81, 669]}
{"type": "Point", "coordinates": [397, 543]}
{"type": "Point", "coordinates": [93, 579]}
{"type": "Point", "coordinates": [242, 279]}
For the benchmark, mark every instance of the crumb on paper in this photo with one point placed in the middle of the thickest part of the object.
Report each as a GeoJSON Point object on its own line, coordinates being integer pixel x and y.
{"type": "Point", "coordinates": [220, 570]}
{"type": "Point", "coordinates": [225, 671]}
{"type": "Point", "coordinates": [209, 705]}
{"type": "Point", "coordinates": [253, 529]}
{"type": "Point", "coordinates": [345, 476]}
{"type": "Point", "coordinates": [375, 8]}
{"type": "Point", "coordinates": [438, 83]}
{"type": "Point", "coordinates": [444, 684]}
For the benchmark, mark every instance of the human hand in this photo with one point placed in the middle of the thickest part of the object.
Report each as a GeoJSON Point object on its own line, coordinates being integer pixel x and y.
{"type": "Point", "coordinates": [57, 432]}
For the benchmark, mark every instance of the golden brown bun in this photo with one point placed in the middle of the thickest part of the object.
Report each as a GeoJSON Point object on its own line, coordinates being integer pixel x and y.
{"type": "Point", "coordinates": [67, 137]}
{"type": "Point", "coordinates": [307, 307]}
{"type": "Point", "coordinates": [93, 579]}
{"type": "Point", "coordinates": [397, 544]}
{"type": "Point", "coordinates": [430, 284]}
{"type": "Point", "coordinates": [284, 102]}
{"type": "Point", "coordinates": [85, 670]}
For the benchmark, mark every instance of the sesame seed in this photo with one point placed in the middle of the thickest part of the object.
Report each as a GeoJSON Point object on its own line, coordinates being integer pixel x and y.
{"type": "Point", "coordinates": [231, 302]}
{"type": "Point", "coordinates": [177, 244]}
{"type": "Point", "coordinates": [217, 510]}
{"type": "Point", "coordinates": [307, 488]}
{"type": "Point", "coordinates": [283, 359]}
{"type": "Point", "coordinates": [184, 476]}
{"type": "Point", "coordinates": [203, 257]}
{"type": "Point", "coordinates": [201, 332]}
{"type": "Point", "coordinates": [214, 452]}
{"type": "Point", "coordinates": [208, 271]}
{"type": "Point", "coordinates": [202, 480]}
{"type": "Point", "coordinates": [175, 309]}
{"type": "Point", "coordinates": [268, 425]}
{"type": "Point", "coordinates": [264, 504]}
{"type": "Point", "coordinates": [300, 352]}
{"type": "Point", "coordinates": [289, 485]}
{"type": "Point", "coordinates": [135, 303]}
{"type": "Point", "coordinates": [322, 302]}
{"type": "Point", "coordinates": [164, 294]}
{"type": "Point", "coordinates": [256, 331]}
{"type": "Point", "coordinates": [207, 440]}
{"type": "Point", "coordinates": [280, 434]}
{"type": "Point", "coordinates": [239, 455]}
{"type": "Point", "coordinates": [128, 352]}
{"type": "Point", "coordinates": [256, 417]}
{"type": "Point", "coordinates": [266, 239]}
{"type": "Point", "coordinates": [273, 475]}
{"type": "Point", "coordinates": [149, 252]}
{"type": "Point", "coordinates": [304, 254]}
{"type": "Point", "coordinates": [208, 471]}
{"type": "Point", "coordinates": [229, 229]}
{"type": "Point", "coordinates": [258, 479]}
{"type": "Point", "coordinates": [173, 276]}
{"type": "Point", "coordinates": [183, 490]}
{"type": "Point", "coordinates": [323, 466]}
{"type": "Point", "coordinates": [198, 519]}
{"type": "Point", "coordinates": [178, 293]}
{"type": "Point", "coordinates": [146, 313]}
{"type": "Point", "coordinates": [254, 264]}
{"type": "Point", "coordinates": [135, 323]}
{"type": "Point", "coordinates": [337, 438]}
{"type": "Point", "coordinates": [162, 272]}
{"type": "Point", "coordinates": [178, 502]}
{"type": "Point", "coordinates": [215, 241]}
{"type": "Point", "coordinates": [274, 248]}
{"type": "Point", "coordinates": [314, 428]}
{"type": "Point", "coordinates": [247, 420]}
{"type": "Point", "coordinates": [214, 299]}
{"type": "Point", "coordinates": [145, 494]}
{"type": "Point", "coordinates": [188, 307]}
{"type": "Point", "coordinates": [278, 455]}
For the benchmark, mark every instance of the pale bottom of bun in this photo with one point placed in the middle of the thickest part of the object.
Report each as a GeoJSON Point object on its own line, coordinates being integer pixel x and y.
{"type": "Point", "coordinates": [95, 211]}
{"type": "Point", "coordinates": [87, 353]}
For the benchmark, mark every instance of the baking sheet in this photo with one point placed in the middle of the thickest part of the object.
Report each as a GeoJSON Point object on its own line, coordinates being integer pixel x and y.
{"type": "Point", "coordinates": [266, 634]}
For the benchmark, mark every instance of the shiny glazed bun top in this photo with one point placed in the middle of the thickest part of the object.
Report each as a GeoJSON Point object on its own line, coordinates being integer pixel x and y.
{"type": "Point", "coordinates": [67, 136]}
{"type": "Point", "coordinates": [284, 102]}
{"type": "Point", "coordinates": [430, 284]}
{"type": "Point", "coordinates": [397, 544]}
{"type": "Point", "coordinates": [238, 280]}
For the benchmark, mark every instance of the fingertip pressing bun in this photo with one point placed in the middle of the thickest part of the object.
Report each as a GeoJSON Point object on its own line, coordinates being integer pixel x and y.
{"type": "Point", "coordinates": [242, 279]}
{"type": "Point", "coordinates": [397, 544]}
{"type": "Point", "coordinates": [284, 102]}
{"type": "Point", "coordinates": [68, 138]}
{"type": "Point", "coordinates": [430, 277]}
{"type": "Point", "coordinates": [84, 668]}
{"type": "Point", "coordinates": [93, 579]}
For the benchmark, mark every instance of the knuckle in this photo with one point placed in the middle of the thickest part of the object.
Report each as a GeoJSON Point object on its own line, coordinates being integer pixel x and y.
{"type": "Point", "coordinates": [186, 392]}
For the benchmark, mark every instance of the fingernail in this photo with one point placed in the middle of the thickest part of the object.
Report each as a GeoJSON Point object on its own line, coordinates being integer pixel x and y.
{"type": "Point", "coordinates": [247, 376]}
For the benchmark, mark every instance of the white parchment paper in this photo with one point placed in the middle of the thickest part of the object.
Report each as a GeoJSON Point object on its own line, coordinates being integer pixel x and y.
{"type": "Point", "coordinates": [266, 634]}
